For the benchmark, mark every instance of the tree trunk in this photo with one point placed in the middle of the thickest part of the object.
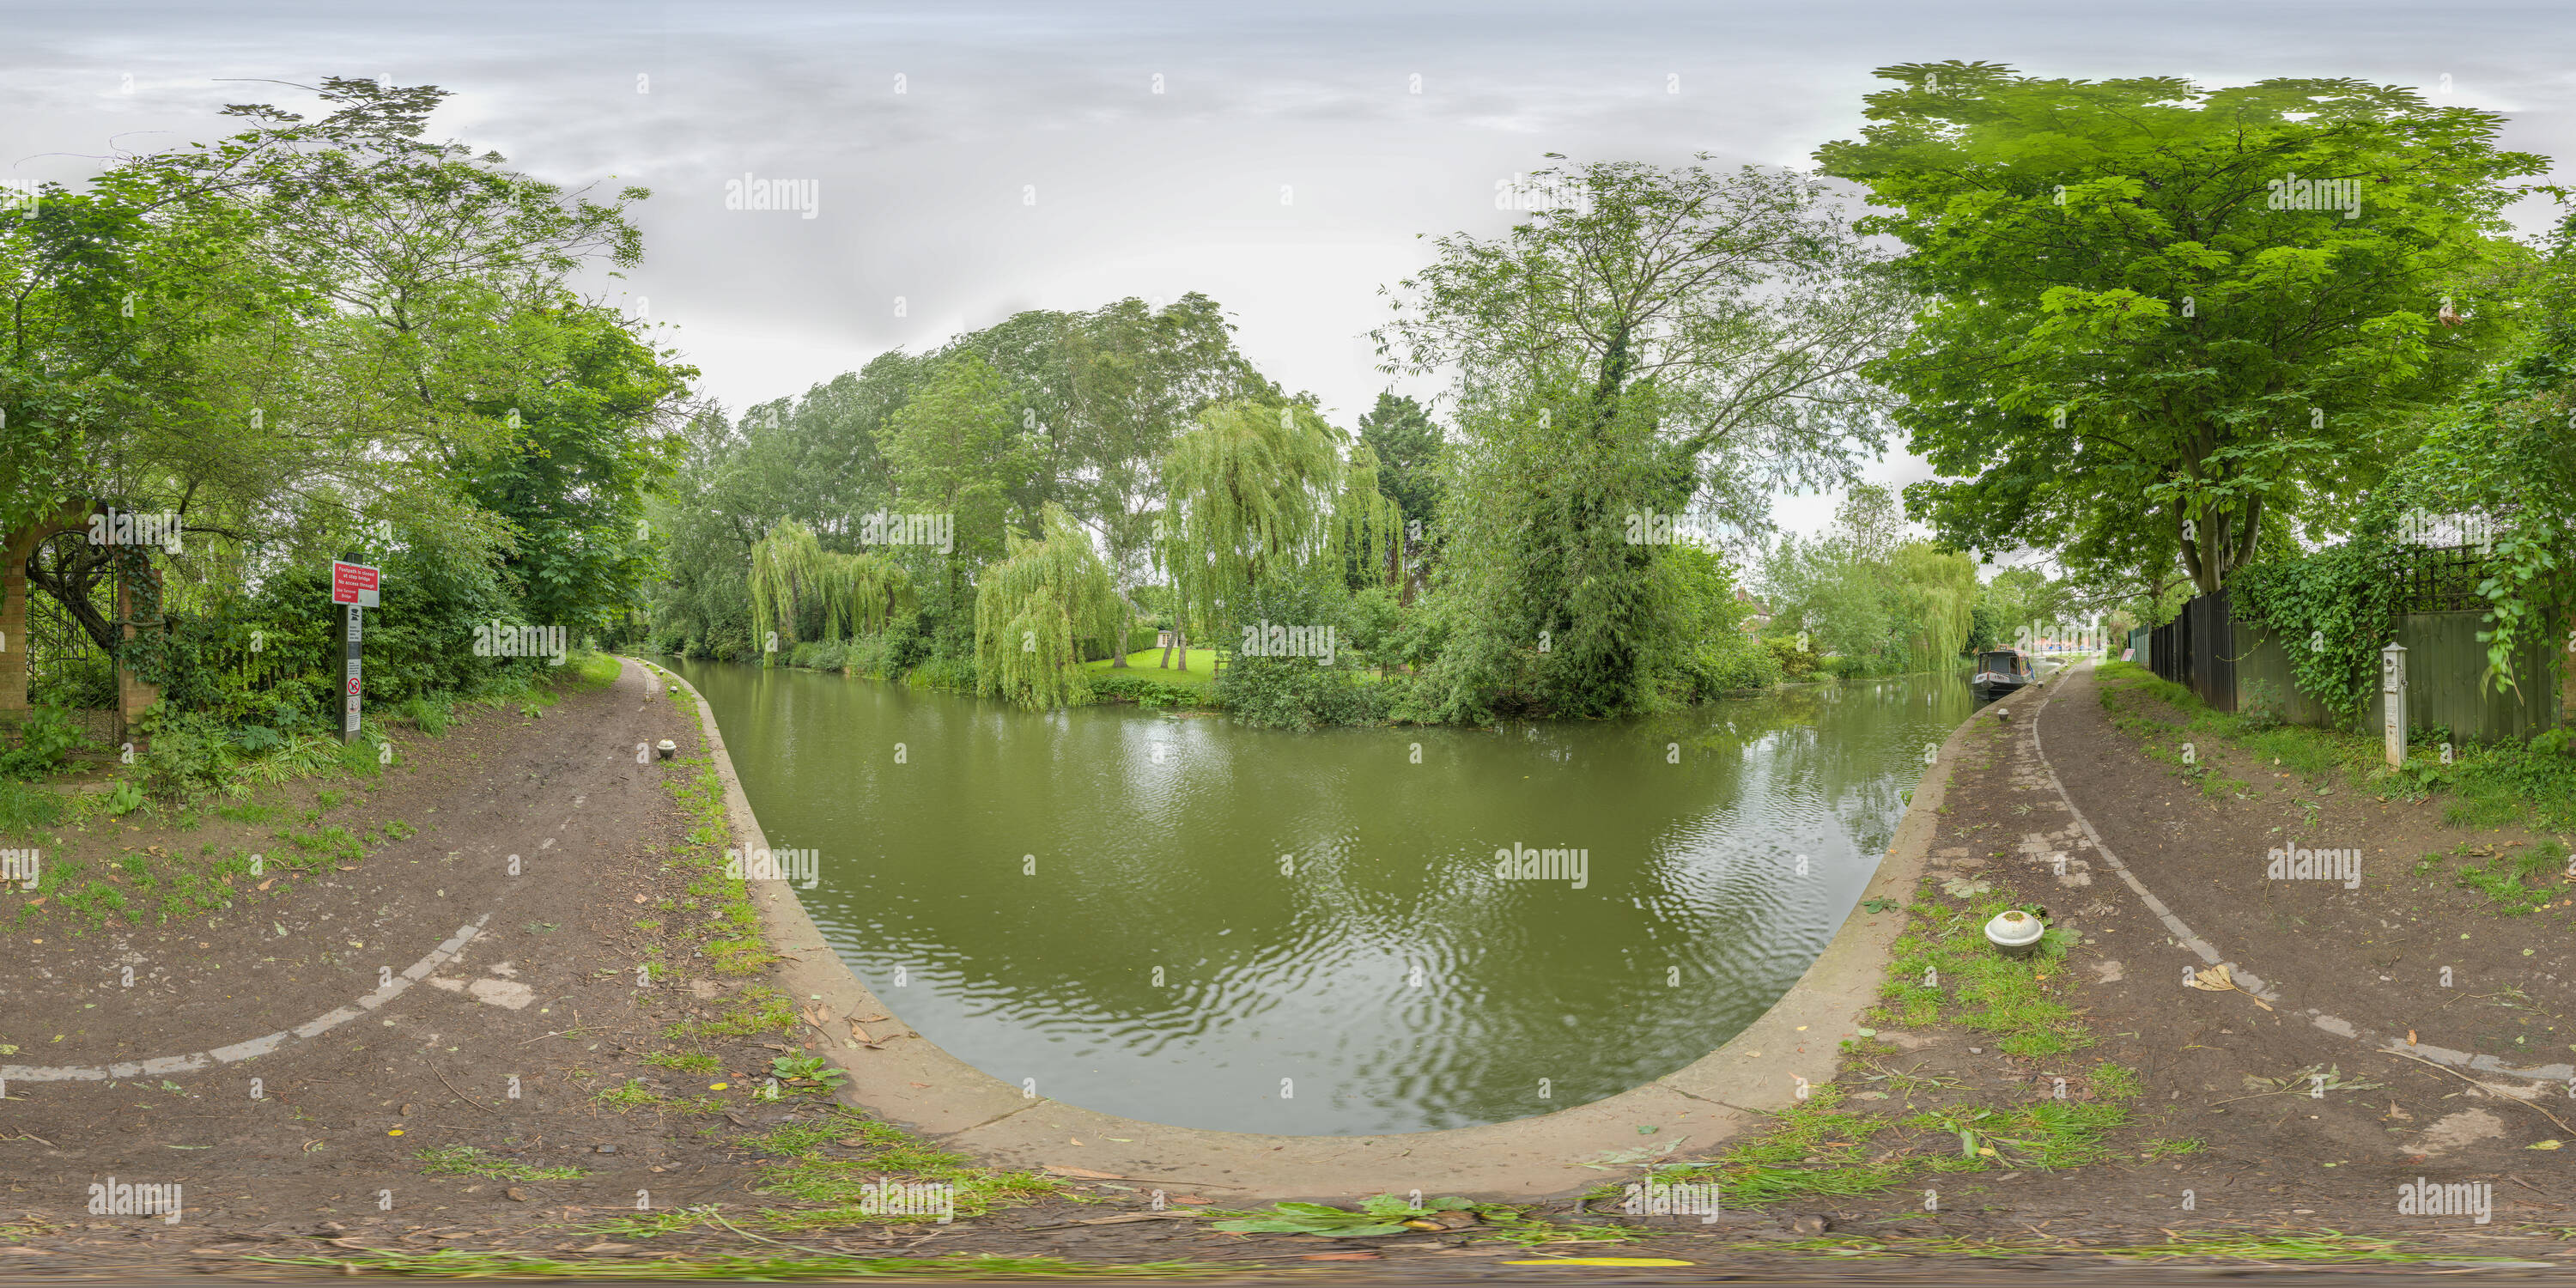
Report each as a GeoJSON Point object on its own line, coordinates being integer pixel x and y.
{"type": "Point", "coordinates": [1182, 638]}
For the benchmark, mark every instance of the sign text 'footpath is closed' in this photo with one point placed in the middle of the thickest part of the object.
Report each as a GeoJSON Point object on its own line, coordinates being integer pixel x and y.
{"type": "Point", "coordinates": [353, 584]}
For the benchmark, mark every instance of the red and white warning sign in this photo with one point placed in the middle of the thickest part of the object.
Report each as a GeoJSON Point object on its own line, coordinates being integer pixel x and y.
{"type": "Point", "coordinates": [353, 584]}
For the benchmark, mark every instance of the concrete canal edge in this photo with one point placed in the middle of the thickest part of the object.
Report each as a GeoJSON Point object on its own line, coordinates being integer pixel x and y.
{"type": "Point", "coordinates": [911, 1082]}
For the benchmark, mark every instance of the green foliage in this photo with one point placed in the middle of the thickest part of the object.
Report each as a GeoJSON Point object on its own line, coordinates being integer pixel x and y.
{"type": "Point", "coordinates": [1594, 392]}
{"type": "Point", "coordinates": [186, 753]}
{"type": "Point", "coordinates": [2331, 612]}
{"type": "Point", "coordinates": [328, 337]}
{"type": "Point", "coordinates": [45, 737]}
{"type": "Point", "coordinates": [959, 448]}
{"type": "Point", "coordinates": [1379, 1214]}
{"type": "Point", "coordinates": [794, 581]}
{"type": "Point", "coordinates": [1878, 602]}
{"type": "Point", "coordinates": [1032, 608]}
{"type": "Point", "coordinates": [2134, 354]}
{"type": "Point", "coordinates": [2501, 454]}
{"type": "Point", "coordinates": [1253, 497]}
{"type": "Point", "coordinates": [1549, 608]}
{"type": "Point", "coordinates": [2520, 884]}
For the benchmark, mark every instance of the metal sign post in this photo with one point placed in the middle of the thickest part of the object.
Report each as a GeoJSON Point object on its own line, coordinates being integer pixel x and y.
{"type": "Point", "coordinates": [354, 588]}
{"type": "Point", "coordinates": [2392, 701]}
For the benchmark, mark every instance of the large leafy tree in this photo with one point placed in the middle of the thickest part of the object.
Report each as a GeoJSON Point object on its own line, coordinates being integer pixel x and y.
{"type": "Point", "coordinates": [1033, 609]}
{"type": "Point", "coordinates": [1262, 498]}
{"type": "Point", "coordinates": [1662, 340]}
{"type": "Point", "coordinates": [1865, 590]}
{"type": "Point", "coordinates": [958, 448]}
{"type": "Point", "coordinates": [2140, 344]}
{"type": "Point", "coordinates": [1408, 447]}
{"type": "Point", "coordinates": [313, 330]}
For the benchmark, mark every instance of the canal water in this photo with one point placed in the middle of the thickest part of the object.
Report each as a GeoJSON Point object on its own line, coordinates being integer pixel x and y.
{"type": "Point", "coordinates": [1182, 919]}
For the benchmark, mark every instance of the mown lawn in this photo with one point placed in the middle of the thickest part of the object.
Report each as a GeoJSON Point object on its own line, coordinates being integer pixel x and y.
{"type": "Point", "coordinates": [1201, 675]}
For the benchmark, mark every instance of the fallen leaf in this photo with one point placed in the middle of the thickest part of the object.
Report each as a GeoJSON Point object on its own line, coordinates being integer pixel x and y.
{"type": "Point", "coordinates": [2545, 1144]}
{"type": "Point", "coordinates": [1085, 1173]}
{"type": "Point", "coordinates": [607, 1247]}
{"type": "Point", "coordinates": [1344, 1256]}
{"type": "Point", "coordinates": [1125, 1218]}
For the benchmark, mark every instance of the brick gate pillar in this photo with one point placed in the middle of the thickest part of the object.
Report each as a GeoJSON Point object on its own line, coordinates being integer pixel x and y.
{"type": "Point", "coordinates": [133, 696]}
{"type": "Point", "coordinates": [13, 603]}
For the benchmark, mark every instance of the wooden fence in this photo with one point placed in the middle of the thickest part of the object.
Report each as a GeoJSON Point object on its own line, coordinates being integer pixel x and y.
{"type": "Point", "coordinates": [2234, 666]}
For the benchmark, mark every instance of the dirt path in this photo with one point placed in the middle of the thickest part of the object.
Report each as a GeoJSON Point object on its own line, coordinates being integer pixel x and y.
{"type": "Point", "coordinates": [286, 1062]}
{"type": "Point", "coordinates": [2055, 802]}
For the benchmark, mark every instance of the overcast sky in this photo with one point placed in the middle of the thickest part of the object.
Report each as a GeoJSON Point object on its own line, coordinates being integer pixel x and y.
{"type": "Point", "coordinates": [975, 159]}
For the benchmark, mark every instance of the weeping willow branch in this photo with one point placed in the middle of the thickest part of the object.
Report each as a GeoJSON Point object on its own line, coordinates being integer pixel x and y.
{"type": "Point", "coordinates": [1260, 492]}
{"type": "Point", "coordinates": [1033, 607]}
{"type": "Point", "coordinates": [854, 594]}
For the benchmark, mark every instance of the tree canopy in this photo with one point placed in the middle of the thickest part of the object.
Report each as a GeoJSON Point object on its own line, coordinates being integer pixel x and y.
{"type": "Point", "coordinates": [2161, 312]}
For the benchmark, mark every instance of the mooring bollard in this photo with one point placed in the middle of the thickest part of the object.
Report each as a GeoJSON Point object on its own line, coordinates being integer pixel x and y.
{"type": "Point", "coordinates": [2015, 933]}
{"type": "Point", "coordinates": [2392, 701]}
{"type": "Point", "coordinates": [667, 749]}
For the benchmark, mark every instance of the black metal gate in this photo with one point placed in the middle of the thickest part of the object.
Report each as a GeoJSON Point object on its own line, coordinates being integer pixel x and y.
{"type": "Point", "coordinates": [65, 668]}
{"type": "Point", "coordinates": [2197, 650]}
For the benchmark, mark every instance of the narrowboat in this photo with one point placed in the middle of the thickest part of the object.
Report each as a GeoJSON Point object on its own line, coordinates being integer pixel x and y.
{"type": "Point", "coordinates": [2001, 671]}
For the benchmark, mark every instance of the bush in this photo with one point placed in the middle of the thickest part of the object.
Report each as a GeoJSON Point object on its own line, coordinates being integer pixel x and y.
{"type": "Point", "coordinates": [45, 738]}
{"type": "Point", "coordinates": [187, 752]}
{"type": "Point", "coordinates": [430, 716]}
{"type": "Point", "coordinates": [1141, 688]}
{"type": "Point", "coordinates": [819, 657]}
{"type": "Point", "coordinates": [87, 683]}
{"type": "Point", "coordinates": [1795, 664]}
{"type": "Point", "coordinates": [1296, 693]}
{"type": "Point", "coordinates": [2259, 707]}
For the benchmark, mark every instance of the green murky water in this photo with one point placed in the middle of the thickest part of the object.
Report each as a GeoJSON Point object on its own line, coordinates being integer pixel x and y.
{"type": "Point", "coordinates": [1185, 920]}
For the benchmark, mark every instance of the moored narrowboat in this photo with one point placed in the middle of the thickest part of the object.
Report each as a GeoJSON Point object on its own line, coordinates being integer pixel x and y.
{"type": "Point", "coordinates": [2001, 671]}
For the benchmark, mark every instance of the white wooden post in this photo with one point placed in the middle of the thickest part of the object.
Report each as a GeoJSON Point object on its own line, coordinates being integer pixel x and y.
{"type": "Point", "coordinates": [2392, 700]}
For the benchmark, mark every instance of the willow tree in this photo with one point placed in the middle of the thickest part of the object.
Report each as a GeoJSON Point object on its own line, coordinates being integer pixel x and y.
{"type": "Point", "coordinates": [1259, 494]}
{"type": "Point", "coordinates": [1033, 608]}
{"type": "Point", "coordinates": [1936, 602]}
{"type": "Point", "coordinates": [853, 594]}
